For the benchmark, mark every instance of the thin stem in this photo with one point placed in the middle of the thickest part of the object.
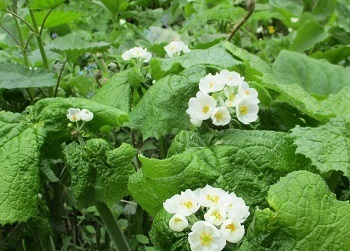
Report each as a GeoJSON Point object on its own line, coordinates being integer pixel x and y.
{"type": "Point", "coordinates": [11, 35]}
{"type": "Point", "coordinates": [59, 78]}
{"type": "Point", "coordinates": [250, 6]}
{"type": "Point", "coordinates": [21, 42]}
{"type": "Point", "coordinates": [163, 147]}
{"type": "Point", "coordinates": [18, 17]}
{"type": "Point", "coordinates": [112, 226]}
{"type": "Point", "coordinates": [43, 23]}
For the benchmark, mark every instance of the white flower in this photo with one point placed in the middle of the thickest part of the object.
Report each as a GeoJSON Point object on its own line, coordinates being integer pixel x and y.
{"type": "Point", "coordinates": [244, 90]}
{"type": "Point", "coordinates": [260, 29]}
{"type": "Point", "coordinates": [215, 215]}
{"type": "Point", "coordinates": [196, 122]}
{"type": "Point", "coordinates": [178, 222]}
{"type": "Point", "coordinates": [232, 230]}
{"type": "Point", "coordinates": [247, 109]}
{"type": "Point", "coordinates": [137, 52]}
{"type": "Point", "coordinates": [211, 83]}
{"type": "Point", "coordinates": [209, 196]}
{"type": "Point", "coordinates": [232, 97]}
{"type": "Point", "coordinates": [220, 116]}
{"type": "Point", "coordinates": [205, 237]}
{"type": "Point", "coordinates": [175, 47]}
{"type": "Point", "coordinates": [73, 114]}
{"type": "Point", "coordinates": [185, 203]}
{"type": "Point", "coordinates": [86, 115]}
{"type": "Point", "coordinates": [201, 107]}
{"type": "Point", "coordinates": [231, 78]}
{"type": "Point", "coordinates": [294, 19]}
{"type": "Point", "coordinates": [236, 208]}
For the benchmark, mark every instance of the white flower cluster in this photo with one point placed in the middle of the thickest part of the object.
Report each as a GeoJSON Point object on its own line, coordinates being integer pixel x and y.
{"type": "Point", "coordinates": [230, 94]}
{"type": "Point", "coordinates": [138, 53]}
{"type": "Point", "coordinates": [223, 214]}
{"type": "Point", "coordinates": [175, 48]}
{"type": "Point", "coordinates": [75, 115]}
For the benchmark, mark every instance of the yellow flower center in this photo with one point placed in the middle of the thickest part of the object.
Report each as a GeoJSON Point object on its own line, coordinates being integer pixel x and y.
{"type": "Point", "coordinates": [74, 118]}
{"type": "Point", "coordinates": [218, 116]}
{"type": "Point", "coordinates": [205, 109]}
{"type": "Point", "coordinates": [231, 227]}
{"type": "Point", "coordinates": [243, 109]}
{"type": "Point", "coordinates": [271, 29]}
{"type": "Point", "coordinates": [247, 92]}
{"type": "Point", "coordinates": [188, 204]}
{"type": "Point", "coordinates": [213, 198]}
{"type": "Point", "coordinates": [172, 48]}
{"type": "Point", "coordinates": [177, 220]}
{"type": "Point", "coordinates": [206, 239]}
{"type": "Point", "coordinates": [231, 96]}
{"type": "Point", "coordinates": [211, 84]}
{"type": "Point", "coordinates": [217, 215]}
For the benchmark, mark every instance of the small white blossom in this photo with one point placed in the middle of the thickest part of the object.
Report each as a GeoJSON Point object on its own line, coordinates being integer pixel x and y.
{"type": "Point", "coordinates": [294, 19]}
{"type": "Point", "coordinates": [201, 107]}
{"type": "Point", "coordinates": [137, 52]}
{"type": "Point", "coordinates": [185, 203]}
{"type": "Point", "coordinates": [74, 114]}
{"type": "Point", "coordinates": [260, 29]}
{"type": "Point", "coordinates": [86, 115]}
{"type": "Point", "coordinates": [211, 83]}
{"type": "Point", "coordinates": [232, 230]}
{"type": "Point", "coordinates": [236, 208]}
{"type": "Point", "coordinates": [178, 223]}
{"type": "Point", "coordinates": [209, 196]}
{"type": "Point", "coordinates": [220, 116]}
{"type": "Point", "coordinates": [247, 109]}
{"type": "Point", "coordinates": [175, 48]}
{"type": "Point", "coordinates": [232, 97]}
{"type": "Point", "coordinates": [231, 78]}
{"type": "Point", "coordinates": [205, 236]}
{"type": "Point", "coordinates": [245, 90]}
{"type": "Point", "coordinates": [215, 215]}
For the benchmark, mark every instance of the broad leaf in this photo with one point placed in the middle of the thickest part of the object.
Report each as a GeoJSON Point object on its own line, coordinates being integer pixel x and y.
{"type": "Point", "coordinates": [327, 146]}
{"type": "Point", "coordinates": [333, 56]}
{"type": "Point", "coordinates": [55, 18]}
{"type": "Point", "coordinates": [162, 109]}
{"type": "Point", "coordinates": [98, 172]}
{"type": "Point", "coordinates": [246, 162]}
{"type": "Point", "coordinates": [116, 92]}
{"type": "Point", "coordinates": [18, 76]}
{"type": "Point", "coordinates": [20, 143]}
{"type": "Point", "coordinates": [304, 215]}
{"type": "Point", "coordinates": [44, 4]}
{"type": "Point", "coordinates": [315, 76]}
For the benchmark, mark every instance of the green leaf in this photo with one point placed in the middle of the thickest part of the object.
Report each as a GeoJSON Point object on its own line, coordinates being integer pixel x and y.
{"type": "Point", "coordinates": [52, 112]}
{"type": "Point", "coordinates": [17, 76]}
{"type": "Point", "coordinates": [74, 44]}
{"type": "Point", "coordinates": [111, 6]}
{"type": "Point", "coordinates": [99, 173]}
{"type": "Point", "coordinates": [217, 57]}
{"type": "Point", "coordinates": [46, 168]}
{"type": "Point", "coordinates": [304, 215]}
{"type": "Point", "coordinates": [334, 56]}
{"type": "Point", "coordinates": [163, 108]}
{"type": "Point", "coordinates": [116, 92]}
{"type": "Point", "coordinates": [246, 162]}
{"type": "Point", "coordinates": [45, 4]}
{"type": "Point", "coordinates": [315, 76]}
{"type": "Point", "coordinates": [309, 33]}
{"type": "Point", "coordinates": [20, 143]}
{"type": "Point", "coordinates": [56, 18]}
{"type": "Point", "coordinates": [327, 146]}
{"type": "Point", "coordinates": [289, 8]}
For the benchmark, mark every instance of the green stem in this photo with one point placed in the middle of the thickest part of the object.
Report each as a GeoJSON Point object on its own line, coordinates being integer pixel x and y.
{"type": "Point", "coordinates": [163, 147]}
{"type": "Point", "coordinates": [112, 226]}
{"type": "Point", "coordinates": [11, 35]}
{"type": "Point", "coordinates": [21, 42]}
{"type": "Point", "coordinates": [59, 77]}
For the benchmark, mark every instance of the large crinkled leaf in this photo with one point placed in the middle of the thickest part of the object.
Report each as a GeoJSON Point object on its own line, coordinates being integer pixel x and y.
{"type": "Point", "coordinates": [162, 109]}
{"type": "Point", "coordinates": [52, 112]}
{"type": "Point", "coordinates": [314, 76]}
{"type": "Point", "coordinates": [56, 18]}
{"type": "Point", "coordinates": [246, 162]}
{"type": "Point", "coordinates": [98, 172]}
{"type": "Point", "coordinates": [216, 56]}
{"type": "Point", "coordinates": [327, 146]}
{"type": "Point", "coordinates": [44, 4]}
{"type": "Point", "coordinates": [317, 107]}
{"type": "Point", "coordinates": [116, 92]}
{"type": "Point", "coordinates": [304, 215]}
{"type": "Point", "coordinates": [18, 76]}
{"type": "Point", "coordinates": [20, 143]}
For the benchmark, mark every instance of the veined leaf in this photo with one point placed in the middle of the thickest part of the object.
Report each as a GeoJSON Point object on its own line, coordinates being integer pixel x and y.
{"type": "Point", "coordinates": [44, 4]}
{"type": "Point", "coordinates": [18, 76]}
{"type": "Point", "coordinates": [98, 172]}
{"type": "Point", "coordinates": [327, 146]}
{"type": "Point", "coordinates": [56, 18]}
{"type": "Point", "coordinates": [304, 215]}
{"type": "Point", "coordinates": [20, 143]}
